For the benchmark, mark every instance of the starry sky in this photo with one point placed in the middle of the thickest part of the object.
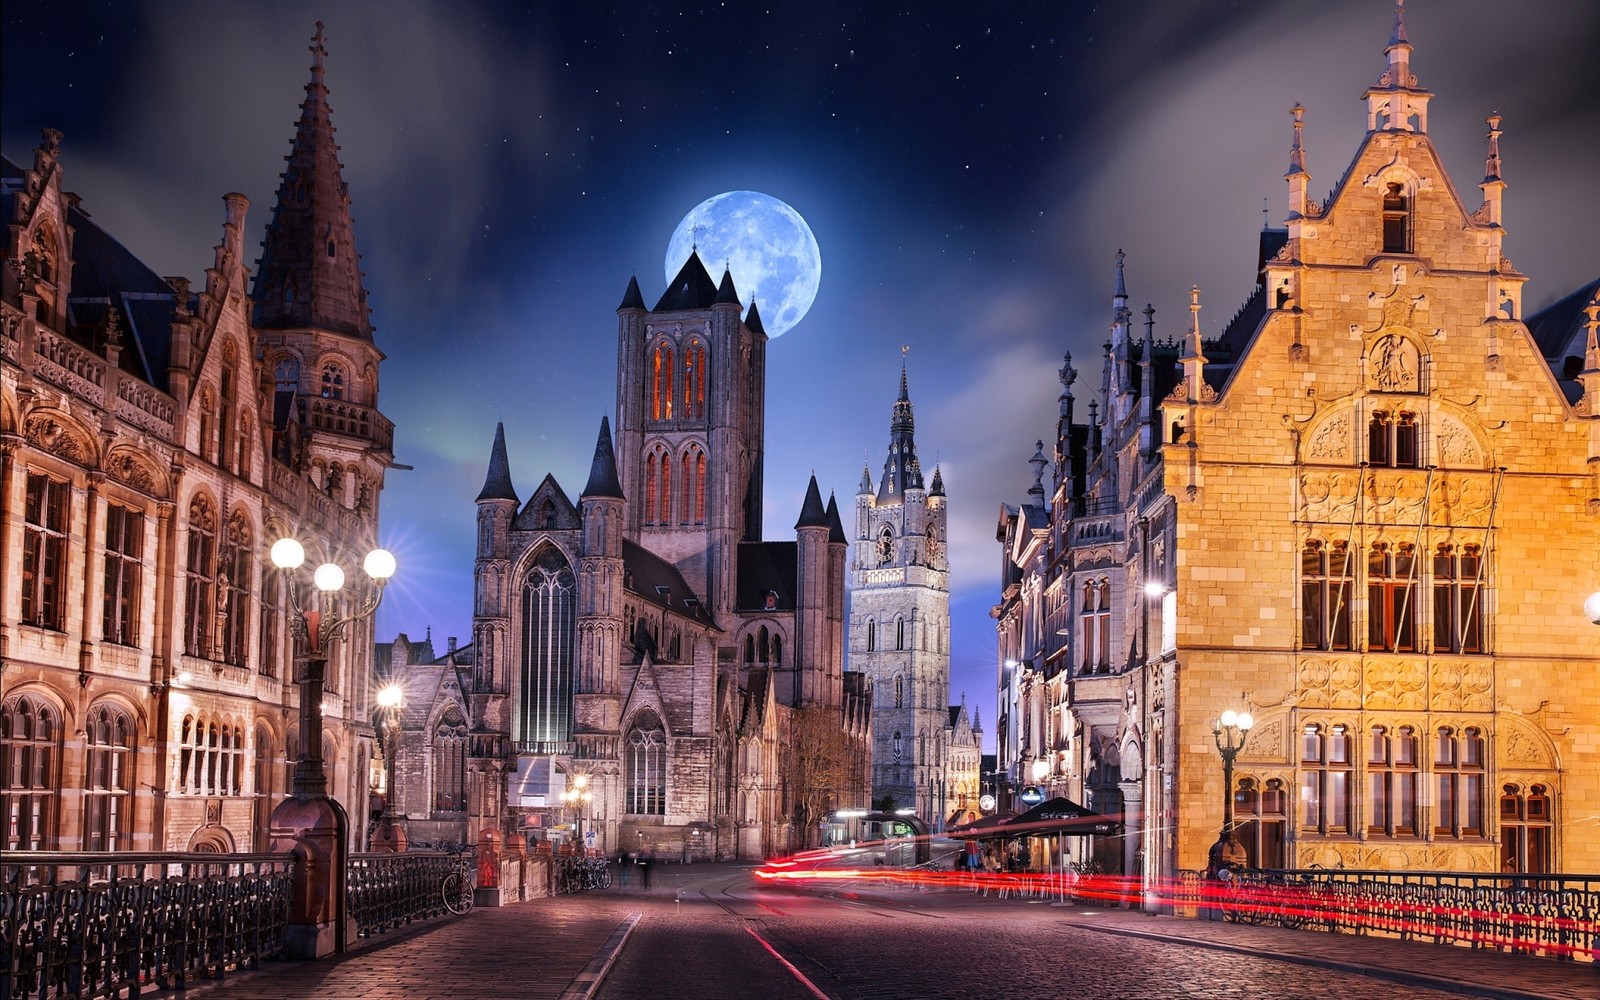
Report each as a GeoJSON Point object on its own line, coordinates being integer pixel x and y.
{"type": "Point", "coordinates": [969, 170]}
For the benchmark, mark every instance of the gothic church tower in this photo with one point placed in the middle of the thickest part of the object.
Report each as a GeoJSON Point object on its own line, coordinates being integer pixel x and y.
{"type": "Point", "coordinates": [900, 621]}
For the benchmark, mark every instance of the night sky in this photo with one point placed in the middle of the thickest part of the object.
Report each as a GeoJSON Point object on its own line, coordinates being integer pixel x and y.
{"type": "Point", "coordinates": [969, 169]}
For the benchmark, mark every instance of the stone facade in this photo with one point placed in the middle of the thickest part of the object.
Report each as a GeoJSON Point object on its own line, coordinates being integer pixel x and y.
{"type": "Point", "coordinates": [1337, 515]}
{"type": "Point", "coordinates": [156, 441]}
{"type": "Point", "coordinates": [900, 623]}
{"type": "Point", "coordinates": [646, 637]}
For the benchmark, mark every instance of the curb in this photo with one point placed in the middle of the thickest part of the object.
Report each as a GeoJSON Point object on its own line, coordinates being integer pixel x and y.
{"type": "Point", "coordinates": [1402, 976]}
{"type": "Point", "coordinates": [588, 980]}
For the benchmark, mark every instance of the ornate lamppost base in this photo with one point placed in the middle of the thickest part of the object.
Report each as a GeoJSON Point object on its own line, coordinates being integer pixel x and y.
{"type": "Point", "coordinates": [316, 830]}
{"type": "Point", "coordinates": [389, 836]}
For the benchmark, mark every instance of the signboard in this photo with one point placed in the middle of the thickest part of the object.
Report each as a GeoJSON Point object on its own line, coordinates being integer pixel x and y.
{"type": "Point", "coordinates": [1031, 795]}
{"type": "Point", "coordinates": [986, 803]}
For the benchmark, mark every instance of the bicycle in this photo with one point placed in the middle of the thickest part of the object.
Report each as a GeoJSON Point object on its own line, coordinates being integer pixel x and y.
{"type": "Point", "coordinates": [578, 873]}
{"type": "Point", "coordinates": [457, 886]}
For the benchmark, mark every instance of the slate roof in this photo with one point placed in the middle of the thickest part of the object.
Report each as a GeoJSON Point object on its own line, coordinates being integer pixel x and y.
{"type": "Point", "coordinates": [691, 289]}
{"type": "Point", "coordinates": [658, 582]}
{"type": "Point", "coordinates": [1558, 327]}
{"type": "Point", "coordinates": [763, 567]}
{"type": "Point", "coordinates": [497, 483]}
{"type": "Point", "coordinates": [603, 481]}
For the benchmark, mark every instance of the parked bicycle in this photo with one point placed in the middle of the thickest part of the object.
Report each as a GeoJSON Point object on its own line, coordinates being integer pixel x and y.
{"type": "Point", "coordinates": [459, 884]}
{"type": "Point", "coordinates": [578, 874]}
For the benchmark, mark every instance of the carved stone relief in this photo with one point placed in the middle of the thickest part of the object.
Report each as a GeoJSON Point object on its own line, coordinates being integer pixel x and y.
{"type": "Point", "coordinates": [1462, 686]}
{"type": "Point", "coordinates": [1396, 685]}
{"type": "Point", "coordinates": [1456, 445]}
{"type": "Point", "coordinates": [57, 439]}
{"type": "Point", "coordinates": [1266, 742]}
{"type": "Point", "coordinates": [1332, 441]}
{"type": "Point", "coordinates": [1330, 683]}
{"type": "Point", "coordinates": [1393, 362]}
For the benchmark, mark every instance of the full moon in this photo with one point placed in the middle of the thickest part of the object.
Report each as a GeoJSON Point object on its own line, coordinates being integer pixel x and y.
{"type": "Point", "coordinates": [767, 246]}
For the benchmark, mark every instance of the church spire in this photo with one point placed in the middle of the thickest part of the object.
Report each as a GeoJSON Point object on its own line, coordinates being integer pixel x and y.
{"type": "Point", "coordinates": [310, 273]}
{"type": "Point", "coordinates": [901, 470]}
{"type": "Point", "coordinates": [1297, 176]}
{"type": "Point", "coordinates": [497, 483]}
{"type": "Point", "coordinates": [603, 480]}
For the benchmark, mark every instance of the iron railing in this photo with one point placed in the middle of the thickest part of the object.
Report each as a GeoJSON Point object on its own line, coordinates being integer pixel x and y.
{"type": "Point", "coordinates": [108, 924]}
{"type": "Point", "coordinates": [391, 890]}
{"type": "Point", "coordinates": [1552, 915]}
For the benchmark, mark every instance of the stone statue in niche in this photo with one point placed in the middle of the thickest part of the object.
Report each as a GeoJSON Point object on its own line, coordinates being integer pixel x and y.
{"type": "Point", "coordinates": [1392, 364]}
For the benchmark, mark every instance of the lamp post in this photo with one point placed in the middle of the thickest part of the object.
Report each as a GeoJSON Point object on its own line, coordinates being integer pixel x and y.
{"type": "Point", "coordinates": [577, 797]}
{"type": "Point", "coordinates": [310, 823]}
{"type": "Point", "coordinates": [1591, 608]}
{"type": "Point", "coordinates": [1230, 731]}
{"type": "Point", "coordinates": [391, 700]}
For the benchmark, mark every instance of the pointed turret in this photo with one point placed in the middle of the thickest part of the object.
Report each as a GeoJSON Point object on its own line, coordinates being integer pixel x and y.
{"type": "Point", "coordinates": [1038, 462]}
{"type": "Point", "coordinates": [1297, 176]}
{"type": "Point", "coordinates": [497, 484]}
{"type": "Point", "coordinates": [1395, 99]}
{"type": "Point", "coordinates": [692, 288]}
{"type": "Point", "coordinates": [866, 479]}
{"type": "Point", "coordinates": [603, 479]}
{"type": "Point", "coordinates": [1194, 357]}
{"type": "Point", "coordinates": [752, 320]}
{"type": "Point", "coordinates": [835, 525]}
{"type": "Point", "coordinates": [726, 293]}
{"type": "Point", "coordinates": [900, 468]}
{"type": "Point", "coordinates": [1493, 187]}
{"type": "Point", "coordinates": [632, 298]}
{"type": "Point", "coordinates": [937, 488]}
{"type": "Point", "coordinates": [812, 512]}
{"type": "Point", "coordinates": [310, 274]}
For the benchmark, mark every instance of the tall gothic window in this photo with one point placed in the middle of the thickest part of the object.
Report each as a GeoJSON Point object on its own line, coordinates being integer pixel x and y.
{"type": "Point", "coordinates": [694, 380]}
{"type": "Point", "coordinates": [233, 584]}
{"type": "Point", "coordinates": [200, 573]}
{"type": "Point", "coordinates": [661, 378]}
{"type": "Point", "coordinates": [119, 619]}
{"type": "Point", "coordinates": [899, 691]}
{"type": "Point", "coordinates": [646, 764]}
{"type": "Point", "coordinates": [1458, 591]}
{"type": "Point", "coordinates": [44, 552]}
{"type": "Point", "coordinates": [1392, 781]}
{"type": "Point", "coordinates": [1396, 220]}
{"type": "Point", "coordinates": [1459, 783]}
{"type": "Point", "coordinates": [652, 484]}
{"type": "Point", "coordinates": [692, 507]}
{"type": "Point", "coordinates": [261, 790]}
{"type": "Point", "coordinates": [450, 764]}
{"type": "Point", "coordinates": [108, 774]}
{"type": "Point", "coordinates": [1095, 618]}
{"type": "Point", "coordinates": [899, 632]}
{"type": "Point", "coordinates": [898, 746]}
{"type": "Point", "coordinates": [872, 635]}
{"type": "Point", "coordinates": [1326, 771]}
{"type": "Point", "coordinates": [1263, 821]}
{"type": "Point", "coordinates": [1325, 593]}
{"type": "Point", "coordinates": [271, 625]}
{"type": "Point", "coordinates": [30, 749]}
{"type": "Point", "coordinates": [544, 697]}
{"type": "Point", "coordinates": [1391, 612]}
{"type": "Point", "coordinates": [1526, 830]}
{"type": "Point", "coordinates": [227, 450]}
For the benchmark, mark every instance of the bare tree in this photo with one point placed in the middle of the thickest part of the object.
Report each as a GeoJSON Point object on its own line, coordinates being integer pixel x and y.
{"type": "Point", "coordinates": [818, 763]}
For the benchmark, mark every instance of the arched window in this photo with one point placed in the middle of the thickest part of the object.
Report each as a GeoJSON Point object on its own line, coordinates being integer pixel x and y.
{"type": "Point", "coordinates": [549, 623]}
{"type": "Point", "coordinates": [200, 579]}
{"type": "Point", "coordinates": [261, 790]}
{"type": "Point", "coordinates": [694, 380]}
{"type": "Point", "coordinates": [1391, 613]}
{"type": "Point", "coordinates": [658, 487]}
{"type": "Point", "coordinates": [1325, 776]}
{"type": "Point", "coordinates": [108, 779]}
{"type": "Point", "coordinates": [1263, 821]}
{"type": "Point", "coordinates": [30, 748]}
{"type": "Point", "coordinates": [692, 505]}
{"type": "Point", "coordinates": [44, 551]}
{"type": "Point", "coordinates": [1392, 439]}
{"type": "Point", "coordinates": [899, 632]}
{"type": "Point", "coordinates": [227, 448]}
{"type": "Point", "coordinates": [286, 375]}
{"type": "Point", "coordinates": [661, 383]}
{"type": "Point", "coordinates": [899, 691]}
{"type": "Point", "coordinates": [332, 381]}
{"type": "Point", "coordinates": [749, 649]}
{"type": "Point", "coordinates": [1396, 220]}
{"type": "Point", "coordinates": [450, 764]}
{"type": "Point", "coordinates": [1458, 774]}
{"type": "Point", "coordinates": [1392, 781]}
{"type": "Point", "coordinates": [664, 513]}
{"type": "Point", "coordinates": [777, 650]}
{"type": "Point", "coordinates": [652, 483]}
{"type": "Point", "coordinates": [872, 635]}
{"type": "Point", "coordinates": [898, 746]}
{"type": "Point", "coordinates": [124, 569]}
{"type": "Point", "coordinates": [237, 560]}
{"type": "Point", "coordinates": [1325, 595]}
{"type": "Point", "coordinates": [646, 765]}
{"type": "Point", "coordinates": [1458, 590]}
{"type": "Point", "coordinates": [763, 647]}
{"type": "Point", "coordinates": [1527, 841]}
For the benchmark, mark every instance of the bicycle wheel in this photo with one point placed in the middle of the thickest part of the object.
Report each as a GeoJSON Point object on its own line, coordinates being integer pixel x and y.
{"type": "Point", "coordinates": [457, 894]}
{"type": "Point", "coordinates": [605, 877]}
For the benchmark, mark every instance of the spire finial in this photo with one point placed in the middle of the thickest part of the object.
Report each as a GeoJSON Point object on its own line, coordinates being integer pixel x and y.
{"type": "Point", "coordinates": [1491, 164]}
{"type": "Point", "coordinates": [1592, 324]}
{"type": "Point", "coordinates": [1297, 151]}
{"type": "Point", "coordinates": [1068, 373]}
{"type": "Point", "coordinates": [1149, 325]}
{"type": "Point", "coordinates": [318, 53]}
{"type": "Point", "coordinates": [1398, 37]}
{"type": "Point", "coordinates": [1122, 289]}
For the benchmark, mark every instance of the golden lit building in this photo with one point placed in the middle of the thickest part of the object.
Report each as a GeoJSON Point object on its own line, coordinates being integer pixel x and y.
{"type": "Point", "coordinates": [1367, 512]}
{"type": "Point", "coordinates": [155, 441]}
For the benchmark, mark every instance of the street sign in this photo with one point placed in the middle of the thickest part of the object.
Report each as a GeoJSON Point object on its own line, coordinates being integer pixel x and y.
{"type": "Point", "coordinates": [986, 803]}
{"type": "Point", "coordinates": [1031, 795]}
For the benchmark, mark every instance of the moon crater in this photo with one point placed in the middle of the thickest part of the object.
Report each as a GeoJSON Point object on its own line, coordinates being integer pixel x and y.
{"type": "Point", "coordinates": [766, 245]}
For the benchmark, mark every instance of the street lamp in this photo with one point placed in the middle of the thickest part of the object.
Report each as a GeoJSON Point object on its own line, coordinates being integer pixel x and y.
{"type": "Point", "coordinates": [391, 700]}
{"type": "Point", "coordinates": [577, 797]}
{"type": "Point", "coordinates": [1591, 607]}
{"type": "Point", "coordinates": [1230, 730]}
{"type": "Point", "coordinates": [319, 624]}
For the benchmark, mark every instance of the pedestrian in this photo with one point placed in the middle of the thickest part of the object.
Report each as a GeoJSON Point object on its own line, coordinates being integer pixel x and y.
{"type": "Point", "coordinates": [1224, 861]}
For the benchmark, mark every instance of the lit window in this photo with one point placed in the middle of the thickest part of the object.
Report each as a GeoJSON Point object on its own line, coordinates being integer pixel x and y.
{"type": "Point", "coordinates": [1263, 821]}
{"type": "Point", "coordinates": [200, 571]}
{"type": "Point", "coordinates": [1458, 774]}
{"type": "Point", "coordinates": [1526, 831]}
{"type": "Point", "coordinates": [44, 552]}
{"type": "Point", "coordinates": [123, 569]}
{"type": "Point", "coordinates": [108, 773]}
{"type": "Point", "coordinates": [646, 767]}
{"type": "Point", "coordinates": [1390, 609]}
{"type": "Point", "coordinates": [1325, 587]}
{"type": "Point", "coordinates": [30, 743]}
{"type": "Point", "coordinates": [1392, 439]}
{"type": "Point", "coordinates": [1325, 777]}
{"type": "Point", "coordinates": [1396, 220]}
{"type": "Point", "coordinates": [1392, 781]}
{"type": "Point", "coordinates": [1458, 592]}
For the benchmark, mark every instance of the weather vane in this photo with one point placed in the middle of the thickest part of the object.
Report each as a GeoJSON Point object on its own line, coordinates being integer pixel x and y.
{"type": "Point", "coordinates": [903, 349]}
{"type": "Point", "coordinates": [695, 232]}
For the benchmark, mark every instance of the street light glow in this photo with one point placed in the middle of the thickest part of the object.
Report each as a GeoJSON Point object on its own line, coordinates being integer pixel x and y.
{"type": "Point", "coordinates": [379, 564]}
{"type": "Point", "coordinates": [288, 553]}
{"type": "Point", "coordinates": [328, 578]}
{"type": "Point", "coordinates": [390, 696]}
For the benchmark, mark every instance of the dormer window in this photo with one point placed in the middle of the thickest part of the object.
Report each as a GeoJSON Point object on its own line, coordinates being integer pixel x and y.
{"type": "Point", "coordinates": [1396, 220]}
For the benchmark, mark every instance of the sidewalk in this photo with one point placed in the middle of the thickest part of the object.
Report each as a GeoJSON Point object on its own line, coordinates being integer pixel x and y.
{"type": "Point", "coordinates": [550, 949]}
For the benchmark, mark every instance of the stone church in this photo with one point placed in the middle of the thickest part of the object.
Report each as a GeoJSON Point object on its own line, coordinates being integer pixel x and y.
{"type": "Point", "coordinates": [1365, 510]}
{"type": "Point", "coordinates": [900, 623]}
{"type": "Point", "coordinates": [157, 438]}
{"type": "Point", "coordinates": [645, 637]}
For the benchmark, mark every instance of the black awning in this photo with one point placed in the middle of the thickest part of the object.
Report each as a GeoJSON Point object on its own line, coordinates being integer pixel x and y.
{"type": "Point", "coordinates": [1060, 816]}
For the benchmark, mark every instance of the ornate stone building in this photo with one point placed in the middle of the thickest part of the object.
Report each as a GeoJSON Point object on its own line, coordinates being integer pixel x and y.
{"type": "Point", "coordinates": [646, 637]}
{"type": "Point", "coordinates": [1355, 512]}
{"type": "Point", "coordinates": [156, 439]}
{"type": "Point", "coordinates": [963, 765]}
{"type": "Point", "coordinates": [900, 622]}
